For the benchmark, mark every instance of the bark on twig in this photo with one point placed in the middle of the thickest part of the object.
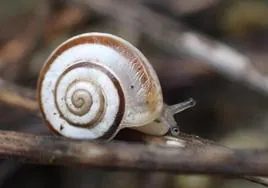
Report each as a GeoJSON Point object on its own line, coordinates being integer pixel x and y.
{"type": "Point", "coordinates": [53, 150]}
{"type": "Point", "coordinates": [260, 180]}
{"type": "Point", "coordinates": [25, 99]}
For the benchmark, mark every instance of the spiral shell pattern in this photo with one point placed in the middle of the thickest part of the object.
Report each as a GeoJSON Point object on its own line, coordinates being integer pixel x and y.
{"type": "Point", "coordinates": [95, 84]}
{"type": "Point", "coordinates": [88, 101]}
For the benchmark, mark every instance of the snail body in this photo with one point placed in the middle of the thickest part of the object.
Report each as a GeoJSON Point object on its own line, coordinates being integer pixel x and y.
{"type": "Point", "coordinates": [95, 84]}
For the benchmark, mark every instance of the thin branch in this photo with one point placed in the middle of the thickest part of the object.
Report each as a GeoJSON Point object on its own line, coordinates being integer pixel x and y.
{"type": "Point", "coordinates": [196, 141]}
{"type": "Point", "coordinates": [18, 97]}
{"type": "Point", "coordinates": [53, 150]}
{"type": "Point", "coordinates": [183, 7]}
{"type": "Point", "coordinates": [175, 38]}
{"type": "Point", "coordinates": [176, 49]}
{"type": "Point", "coordinates": [25, 99]}
{"type": "Point", "coordinates": [260, 180]}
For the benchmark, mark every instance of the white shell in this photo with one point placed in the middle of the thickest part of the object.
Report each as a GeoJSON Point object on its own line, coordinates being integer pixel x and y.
{"type": "Point", "coordinates": [95, 84]}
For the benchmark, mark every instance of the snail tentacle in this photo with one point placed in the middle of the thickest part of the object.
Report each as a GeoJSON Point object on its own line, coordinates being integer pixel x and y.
{"type": "Point", "coordinates": [95, 84]}
{"type": "Point", "coordinates": [177, 108]}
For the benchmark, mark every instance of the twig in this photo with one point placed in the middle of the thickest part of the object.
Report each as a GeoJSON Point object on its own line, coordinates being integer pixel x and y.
{"type": "Point", "coordinates": [260, 180]}
{"type": "Point", "coordinates": [26, 100]}
{"type": "Point", "coordinates": [183, 7]}
{"type": "Point", "coordinates": [195, 141]}
{"type": "Point", "coordinates": [175, 38]}
{"type": "Point", "coordinates": [53, 150]}
{"type": "Point", "coordinates": [175, 48]}
{"type": "Point", "coordinates": [18, 97]}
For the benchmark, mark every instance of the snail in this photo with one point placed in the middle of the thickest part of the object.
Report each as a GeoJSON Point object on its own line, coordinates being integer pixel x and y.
{"type": "Point", "coordinates": [95, 84]}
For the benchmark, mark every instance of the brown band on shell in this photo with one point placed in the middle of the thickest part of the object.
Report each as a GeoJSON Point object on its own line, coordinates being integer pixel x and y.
{"type": "Point", "coordinates": [77, 65]}
{"type": "Point", "coordinates": [120, 113]}
{"type": "Point", "coordinates": [135, 60]}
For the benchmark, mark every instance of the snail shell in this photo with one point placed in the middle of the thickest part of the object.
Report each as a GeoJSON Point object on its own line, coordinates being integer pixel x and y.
{"type": "Point", "coordinates": [94, 84]}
